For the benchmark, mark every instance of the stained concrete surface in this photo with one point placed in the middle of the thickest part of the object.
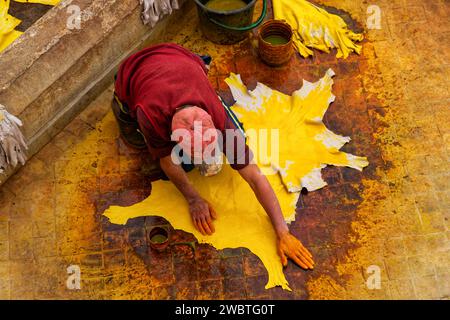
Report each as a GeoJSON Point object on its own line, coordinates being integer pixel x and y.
{"type": "Point", "coordinates": [392, 100]}
{"type": "Point", "coordinates": [28, 13]}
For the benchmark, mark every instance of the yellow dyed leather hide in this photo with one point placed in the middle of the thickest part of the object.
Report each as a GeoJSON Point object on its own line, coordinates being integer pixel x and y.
{"type": "Point", "coordinates": [316, 28]}
{"type": "Point", "coordinates": [242, 222]}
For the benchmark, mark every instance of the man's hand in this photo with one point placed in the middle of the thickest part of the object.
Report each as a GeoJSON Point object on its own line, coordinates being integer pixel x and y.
{"type": "Point", "coordinates": [201, 211]}
{"type": "Point", "coordinates": [202, 215]}
{"type": "Point", "coordinates": [290, 247]}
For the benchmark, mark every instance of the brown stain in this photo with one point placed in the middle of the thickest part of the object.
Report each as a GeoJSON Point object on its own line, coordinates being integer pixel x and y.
{"type": "Point", "coordinates": [29, 13]}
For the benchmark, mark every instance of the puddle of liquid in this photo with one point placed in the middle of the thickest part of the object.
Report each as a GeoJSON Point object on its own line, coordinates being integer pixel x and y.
{"type": "Point", "coordinates": [158, 238]}
{"type": "Point", "coordinates": [276, 40]}
{"type": "Point", "coordinates": [225, 5]}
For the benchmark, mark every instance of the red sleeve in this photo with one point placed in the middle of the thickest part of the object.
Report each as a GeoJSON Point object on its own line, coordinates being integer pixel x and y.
{"type": "Point", "coordinates": [158, 153]}
{"type": "Point", "coordinates": [237, 152]}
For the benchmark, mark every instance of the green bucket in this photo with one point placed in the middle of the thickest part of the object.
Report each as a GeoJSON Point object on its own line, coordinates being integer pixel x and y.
{"type": "Point", "coordinates": [228, 27]}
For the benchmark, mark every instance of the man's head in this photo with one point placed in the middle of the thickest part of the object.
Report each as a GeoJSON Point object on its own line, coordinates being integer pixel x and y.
{"type": "Point", "coordinates": [197, 134]}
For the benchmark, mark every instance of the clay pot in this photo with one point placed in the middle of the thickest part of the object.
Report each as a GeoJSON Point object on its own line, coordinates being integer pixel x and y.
{"type": "Point", "coordinates": [154, 237]}
{"type": "Point", "coordinates": [275, 54]}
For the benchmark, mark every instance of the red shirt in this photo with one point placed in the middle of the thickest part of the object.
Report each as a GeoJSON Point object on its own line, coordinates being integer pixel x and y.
{"type": "Point", "coordinates": [156, 81]}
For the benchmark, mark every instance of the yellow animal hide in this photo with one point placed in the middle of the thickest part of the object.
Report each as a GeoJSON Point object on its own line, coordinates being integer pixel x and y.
{"type": "Point", "coordinates": [242, 222]}
{"type": "Point", "coordinates": [306, 145]}
{"type": "Point", "coordinates": [316, 28]}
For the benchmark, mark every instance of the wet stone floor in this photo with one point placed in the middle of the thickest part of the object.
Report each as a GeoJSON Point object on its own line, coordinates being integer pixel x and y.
{"type": "Point", "coordinates": [392, 101]}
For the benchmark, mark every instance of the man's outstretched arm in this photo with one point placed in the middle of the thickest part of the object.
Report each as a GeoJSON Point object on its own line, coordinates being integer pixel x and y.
{"type": "Point", "coordinates": [288, 245]}
{"type": "Point", "coordinates": [201, 211]}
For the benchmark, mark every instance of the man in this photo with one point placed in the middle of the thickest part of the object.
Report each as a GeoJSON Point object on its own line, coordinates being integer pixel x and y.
{"type": "Point", "coordinates": [165, 88]}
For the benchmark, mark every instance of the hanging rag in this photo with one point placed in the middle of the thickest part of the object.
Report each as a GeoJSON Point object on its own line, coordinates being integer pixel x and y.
{"type": "Point", "coordinates": [12, 142]}
{"type": "Point", "coordinates": [154, 10]}
{"type": "Point", "coordinates": [316, 28]}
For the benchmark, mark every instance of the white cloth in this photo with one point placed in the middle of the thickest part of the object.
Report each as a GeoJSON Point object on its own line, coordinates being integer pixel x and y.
{"type": "Point", "coordinates": [12, 142]}
{"type": "Point", "coordinates": [153, 10]}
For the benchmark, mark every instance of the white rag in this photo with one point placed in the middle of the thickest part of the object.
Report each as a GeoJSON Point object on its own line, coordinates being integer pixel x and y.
{"type": "Point", "coordinates": [12, 142]}
{"type": "Point", "coordinates": [153, 10]}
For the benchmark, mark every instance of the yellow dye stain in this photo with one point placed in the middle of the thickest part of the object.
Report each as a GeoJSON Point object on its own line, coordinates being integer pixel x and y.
{"type": "Point", "coordinates": [316, 28]}
{"type": "Point", "coordinates": [242, 222]}
{"type": "Point", "coordinates": [7, 39]}
{"type": "Point", "coordinates": [8, 23]}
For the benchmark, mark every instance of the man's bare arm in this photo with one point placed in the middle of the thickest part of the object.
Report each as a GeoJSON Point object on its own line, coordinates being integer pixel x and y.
{"type": "Point", "coordinates": [179, 178]}
{"type": "Point", "coordinates": [288, 245]}
{"type": "Point", "coordinates": [201, 211]}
